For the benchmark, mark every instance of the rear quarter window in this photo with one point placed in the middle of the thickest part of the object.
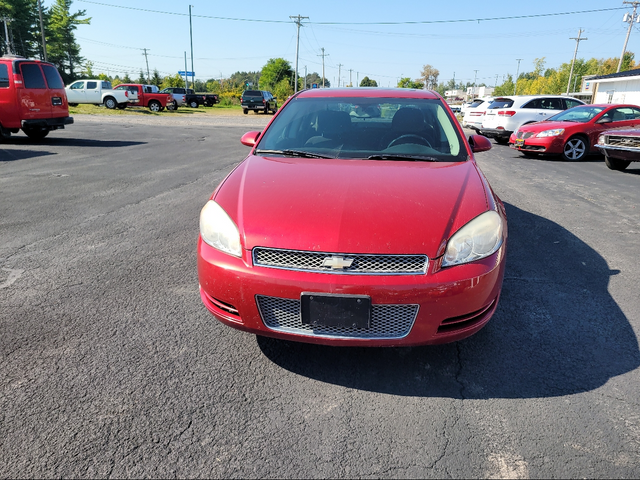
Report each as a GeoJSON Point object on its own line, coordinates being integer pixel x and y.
{"type": "Point", "coordinates": [4, 75]}
{"type": "Point", "coordinates": [53, 77]}
{"type": "Point", "coordinates": [92, 85]}
{"type": "Point", "coordinates": [32, 76]}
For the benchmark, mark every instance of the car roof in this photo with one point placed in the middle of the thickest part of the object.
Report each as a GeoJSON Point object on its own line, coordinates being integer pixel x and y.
{"type": "Point", "coordinates": [368, 92]}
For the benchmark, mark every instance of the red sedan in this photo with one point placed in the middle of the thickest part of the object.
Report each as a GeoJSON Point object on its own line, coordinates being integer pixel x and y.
{"type": "Point", "coordinates": [344, 228]}
{"type": "Point", "coordinates": [574, 132]}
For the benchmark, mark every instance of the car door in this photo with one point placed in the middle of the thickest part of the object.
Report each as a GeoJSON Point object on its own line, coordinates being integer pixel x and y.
{"type": "Point", "coordinates": [59, 107]}
{"type": "Point", "coordinates": [93, 92]}
{"type": "Point", "coordinates": [34, 98]}
{"type": "Point", "coordinates": [76, 93]}
{"type": "Point", "coordinates": [616, 118]}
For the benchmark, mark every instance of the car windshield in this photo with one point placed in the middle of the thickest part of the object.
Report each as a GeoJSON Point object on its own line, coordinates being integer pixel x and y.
{"type": "Point", "coordinates": [576, 114]}
{"type": "Point", "coordinates": [375, 128]}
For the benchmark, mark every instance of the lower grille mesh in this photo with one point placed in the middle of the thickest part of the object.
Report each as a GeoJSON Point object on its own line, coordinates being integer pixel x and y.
{"type": "Point", "coordinates": [387, 321]}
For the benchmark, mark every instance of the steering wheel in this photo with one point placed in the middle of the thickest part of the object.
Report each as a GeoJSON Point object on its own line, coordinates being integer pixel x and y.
{"type": "Point", "coordinates": [409, 138]}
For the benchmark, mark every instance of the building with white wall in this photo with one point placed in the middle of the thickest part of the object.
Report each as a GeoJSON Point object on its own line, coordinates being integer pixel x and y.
{"type": "Point", "coordinates": [621, 87]}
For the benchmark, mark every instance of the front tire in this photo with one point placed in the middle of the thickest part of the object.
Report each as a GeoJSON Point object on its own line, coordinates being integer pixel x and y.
{"type": "Point", "coordinates": [35, 133]}
{"type": "Point", "coordinates": [155, 106]}
{"type": "Point", "coordinates": [575, 150]}
{"type": "Point", "coordinates": [194, 104]}
{"type": "Point", "coordinates": [110, 103]}
{"type": "Point", "coordinates": [616, 163]}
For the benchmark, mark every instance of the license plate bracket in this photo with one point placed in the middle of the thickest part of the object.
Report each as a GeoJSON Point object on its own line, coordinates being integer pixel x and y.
{"type": "Point", "coordinates": [335, 310]}
{"type": "Point", "coordinates": [519, 142]}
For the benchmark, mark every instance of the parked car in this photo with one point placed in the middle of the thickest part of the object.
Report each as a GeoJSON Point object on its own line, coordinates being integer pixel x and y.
{"type": "Point", "coordinates": [258, 100]}
{"type": "Point", "coordinates": [574, 133]}
{"type": "Point", "coordinates": [345, 231]}
{"type": "Point", "coordinates": [148, 96]}
{"type": "Point", "coordinates": [209, 99]}
{"type": "Point", "coordinates": [185, 96]}
{"type": "Point", "coordinates": [472, 117]}
{"type": "Point", "coordinates": [31, 98]}
{"type": "Point", "coordinates": [97, 92]}
{"type": "Point", "coordinates": [620, 147]}
{"type": "Point", "coordinates": [506, 114]}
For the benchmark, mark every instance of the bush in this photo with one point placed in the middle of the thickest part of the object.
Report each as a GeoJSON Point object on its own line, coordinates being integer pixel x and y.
{"type": "Point", "coordinates": [229, 99]}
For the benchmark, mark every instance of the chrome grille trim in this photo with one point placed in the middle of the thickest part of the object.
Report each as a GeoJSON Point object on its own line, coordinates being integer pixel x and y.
{"type": "Point", "coordinates": [623, 141]}
{"type": "Point", "coordinates": [363, 264]}
{"type": "Point", "coordinates": [388, 322]}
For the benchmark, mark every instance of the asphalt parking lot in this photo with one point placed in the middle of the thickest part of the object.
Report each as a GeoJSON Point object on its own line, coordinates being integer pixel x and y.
{"type": "Point", "coordinates": [110, 366]}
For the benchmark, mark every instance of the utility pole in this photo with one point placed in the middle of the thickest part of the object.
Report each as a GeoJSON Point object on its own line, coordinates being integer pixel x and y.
{"type": "Point", "coordinates": [323, 55]}
{"type": "Point", "coordinates": [147, 60]}
{"type": "Point", "coordinates": [515, 87]}
{"type": "Point", "coordinates": [298, 22]}
{"type": "Point", "coordinates": [193, 72]}
{"type": "Point", "coordinates": [339, 69]}
{"type": "Point", "coordinates": [357, 79]}
{"type": "Point", "coordinates": [44, 42]}
{"type": "Point", "coordinates": [6, 34]}
{"type": "Point", "coordinates": [575, 53]}
{"type": "Point", "coordinates": [350, 83]}
{"type": "Point", "coordinates": [495, 84]}
{"type": "Point", "coordinates": [305, 77]}
{"type": "Point", "coordinates": [630, 19]}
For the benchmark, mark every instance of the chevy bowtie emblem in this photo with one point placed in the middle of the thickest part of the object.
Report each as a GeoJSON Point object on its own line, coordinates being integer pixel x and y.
{"type": "Point", "coordinates": [337, 263]}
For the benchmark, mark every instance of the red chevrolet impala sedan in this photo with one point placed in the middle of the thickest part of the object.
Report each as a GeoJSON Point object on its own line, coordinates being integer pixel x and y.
{"type": "Point", "coordinates": [359, 218]}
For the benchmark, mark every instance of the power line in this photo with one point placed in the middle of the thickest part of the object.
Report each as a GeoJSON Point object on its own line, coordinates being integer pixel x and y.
{"type": "Point", "coordinates": [414, 22]}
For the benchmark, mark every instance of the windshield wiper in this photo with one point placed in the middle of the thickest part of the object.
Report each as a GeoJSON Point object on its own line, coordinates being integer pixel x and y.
{"type": "Point", "coordinates": [399, 156]}
{"type": "Point", "coordinates": [293, 153]}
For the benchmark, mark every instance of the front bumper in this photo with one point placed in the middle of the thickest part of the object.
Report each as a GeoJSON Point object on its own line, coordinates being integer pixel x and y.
{"type": "Point", "coordinates": [449, 304]}
{"type": "Point", "coordinates": [552, 145]}
{"type": "Point", "coordinates": [48, 123]}
{"type": "Point", "coordinates": [622, 153]}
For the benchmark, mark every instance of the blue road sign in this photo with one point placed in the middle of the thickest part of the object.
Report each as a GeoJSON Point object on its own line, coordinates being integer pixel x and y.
{"type": "Point", "coordinates": [188, 74]}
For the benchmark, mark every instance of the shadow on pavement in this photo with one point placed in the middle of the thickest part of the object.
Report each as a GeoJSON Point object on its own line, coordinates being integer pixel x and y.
{"type": "Point", "coordinates": [68, 142]}
{"type": "Point", "coordinates": [557, 331]}
{"type": "Point", "coordinates": [10, 155]}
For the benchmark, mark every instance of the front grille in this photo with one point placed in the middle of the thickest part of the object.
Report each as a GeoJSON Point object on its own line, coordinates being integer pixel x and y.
{"type": "Point", "coordinates": [622, 141]}
{"type": "Point", "coordinates": [524, 135]}
{"type": "Point", "coordinates": [361, 264]}
{"type": "Point", "coordinates": [387, 321]}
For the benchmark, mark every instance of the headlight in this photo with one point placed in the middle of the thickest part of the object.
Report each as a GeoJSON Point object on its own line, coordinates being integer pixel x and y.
{"type": "Point", "coordinates": [602, 140]}
{"type": "Point", "coordinates": [551, 133]}
{"type": "Point", "coordinates": [218, 230]}
{"type": "Point", "coordinates": [479, 238]}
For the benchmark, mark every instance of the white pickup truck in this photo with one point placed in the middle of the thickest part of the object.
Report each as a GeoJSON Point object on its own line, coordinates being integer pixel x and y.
{"type": "Point", "coordinates": [98, 92]}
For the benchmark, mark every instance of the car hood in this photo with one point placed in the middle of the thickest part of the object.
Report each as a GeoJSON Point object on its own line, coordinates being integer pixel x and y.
{"type": "Point", "coordinates": [547, 125]}
{"type": "Point", "coordinates": [626, 132]}
{"type": "Point", "coordinates": [352, 206]}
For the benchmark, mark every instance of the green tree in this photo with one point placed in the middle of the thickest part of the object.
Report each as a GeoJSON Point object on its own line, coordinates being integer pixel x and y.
{"type": "Point", "coordinates": [62, 49]}
{"type": "Point", "coordinates": [126, 78]}
{"type": "Point", "coordinates": [274, 72]}
{"type": "Point", "coordinates": [23, 28]}
{"type": "Point", "coordinates": [141, 78]}
{"type": "Point", "coordinates": [172, 81]}
{"type": "Point", "coordinates": [156, 79]}
{"type": "Point", "coordinates": [282, 90]}
{"type": "Point", "coordinates": [367, 82]}
{"type": "Point", "coordinates": [406, 82]}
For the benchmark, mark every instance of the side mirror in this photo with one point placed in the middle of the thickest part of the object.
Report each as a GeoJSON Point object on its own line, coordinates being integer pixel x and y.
{"type": "Point", "coordinates": [479, 143]}
{"type": "Point", "coordinates": [605, 120]}
{"type": "Point", "coordinates": [250, 138]}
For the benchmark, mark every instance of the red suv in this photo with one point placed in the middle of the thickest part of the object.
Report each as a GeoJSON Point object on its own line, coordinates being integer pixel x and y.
{"type": "Point", "coordinates": [32, 98]}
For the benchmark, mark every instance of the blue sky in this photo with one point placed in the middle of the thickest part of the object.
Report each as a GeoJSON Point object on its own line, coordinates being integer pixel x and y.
{"type": "Point", "coordinates": [241, 36]}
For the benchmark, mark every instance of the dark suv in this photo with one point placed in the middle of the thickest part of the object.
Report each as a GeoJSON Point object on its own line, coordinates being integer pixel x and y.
{"type": "Point", "coordinates": [32, 98]}
{"type": "Point", "coordinates": [257, 100]}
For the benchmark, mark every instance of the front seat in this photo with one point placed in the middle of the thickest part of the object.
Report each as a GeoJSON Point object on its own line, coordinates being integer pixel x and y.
{"type": "Point", "coordinates": [407, 121]}
{"type": "Point", "coordinates": [332, 128]}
